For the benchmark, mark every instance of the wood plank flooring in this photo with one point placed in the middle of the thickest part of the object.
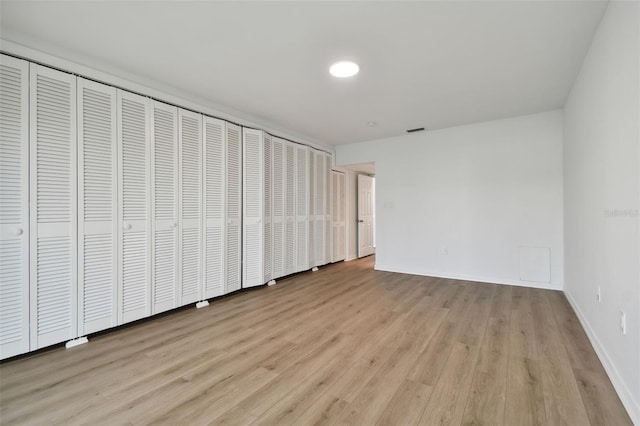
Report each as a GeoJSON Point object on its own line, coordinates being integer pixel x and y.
{"type": "Point", "coordinates": [345, 345]}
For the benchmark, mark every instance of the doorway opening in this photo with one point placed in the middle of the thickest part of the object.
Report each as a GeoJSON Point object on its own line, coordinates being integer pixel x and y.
{"type": "Point", "coordinates": [360, 221]}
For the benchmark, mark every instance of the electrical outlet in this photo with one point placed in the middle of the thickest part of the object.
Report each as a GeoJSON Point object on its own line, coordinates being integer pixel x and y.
{"type": "Point", "coordinates": [623, 322]}
{"type": "Point", "coordinates": [598, 295]}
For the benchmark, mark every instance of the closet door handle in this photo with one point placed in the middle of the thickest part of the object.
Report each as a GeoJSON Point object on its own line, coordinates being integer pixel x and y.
{"type": "Point", "coordinates": [19, 231]}
{"type": "Point", "coordinates": [127, 226]}
{"type": "Point", "coordinates": [173, 225]}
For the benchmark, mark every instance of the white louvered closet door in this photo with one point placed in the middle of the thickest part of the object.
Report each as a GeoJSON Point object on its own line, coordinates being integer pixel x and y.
{"type": "Point", "coordinates": [253, 188]}
{"type": "Point", "coordinates": [53, 192]}
{"type": "Point", "coordinates": [190, 142]}
{"type": "Point", "coordinates": [302, 208]}
{"type": "Point", "coordinates": [327, 208]}
{"type": "Point", "coordinates": [97, 207]}
{"type": "Point", "coordinates": [267, 258]}
{"type": "Point", "coordinates": [278, 217]}
{"type": "Point", "coordinates": [233, 243]}
{"type": "Point", "coordinates": [14, 208]}
{"type": "Point", "coordinates": [312, 207]}
{"type": "Point", "coordinates": [338, 216]}
{"type": "Point", "coordinates": [319, 208]}
{"type": "Point", "coordinates": [290, 209]}
{"type": "Point", "coordinates": [214, 206]}
{"type": "Point", "coordinates": [164, 169]}
{"type": "Point", "coordinates": [134, 192]}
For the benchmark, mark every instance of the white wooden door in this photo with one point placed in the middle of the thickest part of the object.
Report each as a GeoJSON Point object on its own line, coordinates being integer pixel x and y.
{"type": "Point", "coordinates": [338, 216]}
{"type": "Point", "coordinates": [165, 242]}
{"type": "Point", "coordinates": [233, 249]}
{"type": "Point", "coordinates": [267, 258]}
{"type": "Point", "coordinates": [365, 215]}
{"type": "Point", "coordinates": [302, 208]}
{"type": "Point", "coordinates": [290, 209]}
{"type": "Point", "coordinates": [53, 192]}
{"type": "Point", "coordinates": [134, 192]}
{"type": "Point", "coordinates": [311, 161]}
{"type": "Point", "coordinates": [97, 207]}
{"type": "Point", "coordinates": [327, 208]}
{"type": "Point", "coordinates": [253, 188]}
{"type": "Point", "coordinates": [189, 260]}
{"type": "Point", "coordinates": [278, 218]}
{"type": "Point", "coordinates": [319, 226]}
{"type": "Point", "coordinates": [214, 153]}
{"type": "Point", "coordinates": [14, 208]}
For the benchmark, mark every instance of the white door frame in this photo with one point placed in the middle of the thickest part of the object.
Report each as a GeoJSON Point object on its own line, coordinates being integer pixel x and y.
{"type": "Point", "coordinates": [365, 215]}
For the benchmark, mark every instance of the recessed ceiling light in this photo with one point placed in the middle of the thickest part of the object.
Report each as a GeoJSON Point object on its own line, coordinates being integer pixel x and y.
{"type": "Point", "coordinates": [344, 69]}
{"type": "Point", "coordinates": [372, 123]}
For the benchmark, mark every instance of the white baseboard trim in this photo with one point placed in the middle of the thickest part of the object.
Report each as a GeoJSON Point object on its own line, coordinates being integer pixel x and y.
{"type": "Point", "coordinates": [490, 280]}
{"type": "Point", "coordinates": [632, 406]}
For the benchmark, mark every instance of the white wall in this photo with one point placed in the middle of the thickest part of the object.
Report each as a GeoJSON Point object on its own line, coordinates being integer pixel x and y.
{"type": "Point", "coordinates": [602, 173]}
{"type": "Point", "coordinates": [480, 190]}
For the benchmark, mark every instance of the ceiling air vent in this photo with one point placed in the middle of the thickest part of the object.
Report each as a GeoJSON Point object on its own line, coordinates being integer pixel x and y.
{"type": "Point", "coordinates": [417, 129]}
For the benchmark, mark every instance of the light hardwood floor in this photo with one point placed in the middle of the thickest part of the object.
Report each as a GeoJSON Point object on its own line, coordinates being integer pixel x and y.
{"type": "Point", "coordinates": [344, 345]}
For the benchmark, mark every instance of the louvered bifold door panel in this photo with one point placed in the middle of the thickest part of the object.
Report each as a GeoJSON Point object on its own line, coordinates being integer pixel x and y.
{"type": "Point", "coordinates": [214, 206]}
{"type": "Point", "coordinates": [278, 218]}
{"type": "Point", "coordinates": [337, 216]}
{"type": "Point", "coordinates": [253, 187]}
{"type": "Point", "coordinates": [164, 170]}
{"type": "Point", "coordinates": [53, 192]}
{"type": "Point", "coordinates": [319, 208]}
{"type": "Point", "coordinates": [312, 207]}
{"type": "Point", "coordinates": [14, 207]}
{"type": "Point", "coordinates": [190, 142]}
{"type": "Point", "coordinates": [97, 207]}
{"type": "Point", "coordinates": [327, 208]}
{"type": "Point", "coordinates": [290, 209]}
{"type": "Point", "coordinates": [134, 192]}
{"type": "Point", "coordinates": [233, 243]}
{"type": "Point", "coordinates": [267, 258]}
{"type": "Point", "coordinates": [302, 208]}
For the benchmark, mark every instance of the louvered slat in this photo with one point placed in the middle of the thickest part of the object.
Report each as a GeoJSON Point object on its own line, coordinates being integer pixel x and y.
{"type": "Point", "coordinates": [253, 188]}
{"type": "Point", "coordinates": [214, 181]}
{"type": "Point", "coordinates": [327, 208]}
{"type": "Point", "coordinates": [267, 256]}
{"type": "Point", "coordinates": [97, 224]}
{"type": "Point", "coordinates": [190, 143]}
{"type": "Point", "coordinates": [233, 199]}
{"type": "Point", "coordinates": [302, 206]}
{"type": "Point", "coordinates": [278, 218]}
{"type": "Point", "coordinates": [190, 265]}
{"type": "Point", "coordinates": [54, 250]}
{"type": "Point", "coordinates": [134, 293]}
{"type": "Point", "coordinates": [165, 201]}
{"type": "Point", "coordinates": [290, 209]}
{"type": "Point", "coordinates": [14, 208]}
{"type": "Point", "coordinates": [312, 203]}
{"type": "Point", "coordinates": [319, 226]}
{"type": "Point", "coordinates": [134, 274]}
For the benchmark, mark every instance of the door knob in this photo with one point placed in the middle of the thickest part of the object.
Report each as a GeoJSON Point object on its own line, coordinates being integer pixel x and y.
{"type": "Point", "coordinates": [360, 221]}
{"type": "Point", "coordinates": [127, 226]}
{"type": "Point", "coordinates": [173, 225]}
{"type": "Point", "coordinates": [19, 231]}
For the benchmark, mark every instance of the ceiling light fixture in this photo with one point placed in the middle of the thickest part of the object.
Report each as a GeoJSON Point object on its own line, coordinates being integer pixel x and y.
{"type": "Point", "coordinates": [344, 69]}
{"type": "Point", "coordinates": [371, 123]}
